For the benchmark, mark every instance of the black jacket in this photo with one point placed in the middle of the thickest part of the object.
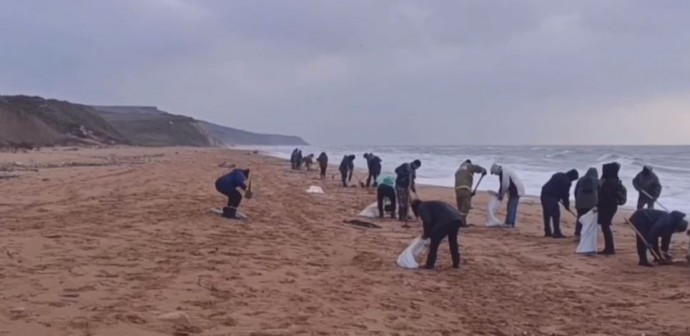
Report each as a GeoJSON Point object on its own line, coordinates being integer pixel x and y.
{"type": "Point", "coordinates": [654, 224]}
{"type": "Point", "coordinates": [436, 213]}
{"type": "Point", "coordinates": [406, 175]}
{"type": "Point", "coordinates": [559, 186]}
{"type": "Point", "coordinates": [348, 163]}
{"type": "Point", "coordinates": [612, 193]}
{"type": "Point", "coordinates": [374, 164]}
{"type": "Point", "coordinates": [323, 160]}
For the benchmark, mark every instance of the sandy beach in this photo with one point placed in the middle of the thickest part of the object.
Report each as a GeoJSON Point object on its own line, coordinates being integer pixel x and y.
{"type": "Point", "coordinates": [120, 241]}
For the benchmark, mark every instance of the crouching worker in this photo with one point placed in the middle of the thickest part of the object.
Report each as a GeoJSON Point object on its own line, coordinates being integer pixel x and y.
{"type": "Point", "coordinates": [228, 184]}
{"type": "Point", "coordinates": [386, 190]}
{"type": "Point", "coordinates": [440, 220]}
{"type": "Point", "coordinates": [652, 225]}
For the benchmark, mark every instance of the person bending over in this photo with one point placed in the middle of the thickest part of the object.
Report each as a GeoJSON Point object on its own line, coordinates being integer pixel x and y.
{"type": "Point", "coordinates": [440, 220]}
{"type": "Point", "coordinates": [227, 185]}
{"type": "Point", "coordinates": [464, 182]}
{"type": "Point", "coordinates": [386, 190]}
{"type": "Point", "coordinates": [374, 168]}
{"type": "Point", "coordinates": [652, 225]}
{"type": "Point", "coordinates": [347, 166]}
{"type": "Point", "coordinates": [404, 183]}
{"type": "Point", "coordinates": [555, 190]}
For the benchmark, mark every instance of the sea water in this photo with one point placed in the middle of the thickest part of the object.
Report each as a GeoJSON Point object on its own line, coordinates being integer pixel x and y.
{"type": "Point", "coordinates": [533, 164]}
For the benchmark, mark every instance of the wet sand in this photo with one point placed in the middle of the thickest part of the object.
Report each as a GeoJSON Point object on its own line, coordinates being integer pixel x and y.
{"type": "Point", "coordinates": [121, 242]}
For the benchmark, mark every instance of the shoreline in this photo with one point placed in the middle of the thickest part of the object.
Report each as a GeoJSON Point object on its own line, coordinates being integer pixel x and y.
{"type": "Point", "coordinates": [125, 244]}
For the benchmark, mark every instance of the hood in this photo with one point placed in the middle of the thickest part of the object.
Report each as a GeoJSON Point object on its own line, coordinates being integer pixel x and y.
{"type": "Point", "coordinates": [416, 164]}
{"type": "Point", "coordinates": [366, 155]}
{"type": "Point", "coordinates": [351, 157]}
{"type": "Point", "coordinates": [610, 170]}
{"type": "Point", "coordinates": [495, 169]}
{"type": "Point", "coordinates": [592, 173]}
{"type": "Point", "coordinates": [322, 154]}
{"type": "Point", "coordinates": [573, 174]}
{"type": "Point", "coordinates": [678, 218]}
{"type": "Point", "coordinates": [647, 169]}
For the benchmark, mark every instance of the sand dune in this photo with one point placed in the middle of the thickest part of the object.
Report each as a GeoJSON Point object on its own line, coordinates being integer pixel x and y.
{"type": "Point", "coordinates": [129, 248]}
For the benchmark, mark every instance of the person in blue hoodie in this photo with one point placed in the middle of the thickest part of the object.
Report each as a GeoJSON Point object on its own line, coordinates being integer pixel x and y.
{"type": "Point", "coordinates": [228, 184]}
{"type": "Point", "coordinates": [386, 189]}
{"type": "Point", "coordinates": [555, 190]}
{"type": "Point", "coordinates": [652, 225]}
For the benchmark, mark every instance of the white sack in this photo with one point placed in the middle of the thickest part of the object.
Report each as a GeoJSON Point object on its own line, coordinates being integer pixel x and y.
{"type": "Point", "coordinates": [492, 208]}
{"type": "Point", "coordinates": [588, 235]}
{"type": "Point", "coordinates": [408, 258]}
{"type": "Point", "coordinates": [315, 190]}
{"type": "Point", "coordinates": [371, 211]}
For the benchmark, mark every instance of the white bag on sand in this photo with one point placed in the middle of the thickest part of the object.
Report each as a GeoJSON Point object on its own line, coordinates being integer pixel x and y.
{"type": "Point", "coordinates": [371, 211]}
{"type": "Point", "coordinates": [492, 208]}
{"type": "Point", "coordinates": [588, 235]}
{"type": "Point", "coordinates": [408, 258]}
{"type": "Point", "coordinates": [315, 190]}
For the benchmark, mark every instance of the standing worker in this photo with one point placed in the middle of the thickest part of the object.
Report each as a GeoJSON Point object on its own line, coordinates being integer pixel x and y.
{"type": "Point", "coordinates": [612, 194]}
{"type": "Point", "coordinates": [386, 190]}
{"type": "Point", "coordinates": [347, 166]}
{"type": "Point", "coordinates": [509, 184]}
{"type": "Point", "coordinates": [654, 224]}
{"type": "Point", "coordinates": [464, 182]}
{"type": "Point", "coordinates": [440, 220]}
{"type": "Point", "coordinates": [227, 185]}
{"type": "Point", "coordinates": [586, 196]}
{"type": "Point", "coordinates": [323, 164]}
{"type": "Point", "coordinates": [404, 183]}
{"type": "Point", "coordinates": [647, 184]}
{"type": "Point", "coordinates": [374, 168]}
{"type": "Point", "coordinates": [555, 190]}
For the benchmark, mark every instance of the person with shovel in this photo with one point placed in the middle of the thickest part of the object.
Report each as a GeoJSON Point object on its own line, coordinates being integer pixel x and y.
{"type": "Point", "coordinates": [347, 167]}
{"type": "Point", "coordinates": [440, 220]}
{"type": "Point", "coordinates": [404, 184]}
{"type": "Point", "coordinates": [464, 181]}
{"type": "Point", "coordinates": [511, 185]}
{"type": "Point", "coordinates": [650, 225]}
{"type": "Point", "coordinates": [647, 184]}
{"type": "Point", "coordinates": [228, 184]}
{"type": "Point", "coordinates": [374, 168]}
{"type": "Point", "coordinates": [555, 190]}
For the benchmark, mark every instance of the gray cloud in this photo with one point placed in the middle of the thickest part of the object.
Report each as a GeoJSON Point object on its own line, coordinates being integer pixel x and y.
{"type": "Point", "coordinates": [354, 72]}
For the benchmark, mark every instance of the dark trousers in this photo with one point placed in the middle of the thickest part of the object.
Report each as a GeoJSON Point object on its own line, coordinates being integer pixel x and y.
{"type": "Point", "coordinates": [382, 192]}
{"type": "Point", "coordinates": [403, 194]}
{"type": "Point", "coordinates": [641, 250]}
{"type": "Point", "coordinates": [234, 200]}
{"type": "Point", "coordinates": [552, 213]}
{"type": "Point", "coordinates": [439, 232]}
{"type": "Point", "coordinates": [580, 212]}
{"type": "Point", "coordinates": [373, 176]}
{"type": "Point", "coordinates": [343, 177]}
{"type": "Point", "coordinates": [643, 201]}
{"type": "Point", "coordinates": [605, 218]}
{"type": "Point", "coordinates": [323, 171]}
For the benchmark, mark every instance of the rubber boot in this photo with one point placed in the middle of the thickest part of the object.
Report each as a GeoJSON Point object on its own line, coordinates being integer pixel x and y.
{"type": "Point", "coordinates": [229, 212]}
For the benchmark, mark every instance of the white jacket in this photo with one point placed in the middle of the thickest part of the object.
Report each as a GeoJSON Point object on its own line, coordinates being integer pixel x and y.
{"type": "Point", "coordinates": [509, 175]}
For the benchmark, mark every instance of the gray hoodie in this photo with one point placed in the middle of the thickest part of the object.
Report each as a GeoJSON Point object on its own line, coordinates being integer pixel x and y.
{"type": "Point", "coordinates": [587, 190]}
{"type": "Point", "coordinates": [648, 181]}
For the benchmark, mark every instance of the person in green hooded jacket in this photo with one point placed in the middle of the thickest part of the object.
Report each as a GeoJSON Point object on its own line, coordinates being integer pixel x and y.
{"type": "Point", "coordinates": [386, 189]}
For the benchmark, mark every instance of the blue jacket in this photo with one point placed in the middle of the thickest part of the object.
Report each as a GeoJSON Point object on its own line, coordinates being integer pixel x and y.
{"type": "Point", "coordinates": [231, 181]}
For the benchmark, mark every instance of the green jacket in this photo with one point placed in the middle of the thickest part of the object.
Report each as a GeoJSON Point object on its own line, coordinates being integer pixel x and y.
{"type": "Point", "coordinates": [464, 176]}
{"type": "Point", "coordinates": [386, 180]}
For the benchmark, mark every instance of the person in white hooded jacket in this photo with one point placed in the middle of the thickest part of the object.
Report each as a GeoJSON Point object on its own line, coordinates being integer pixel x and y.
{"type": "Point", "coordinates": [511, 185]}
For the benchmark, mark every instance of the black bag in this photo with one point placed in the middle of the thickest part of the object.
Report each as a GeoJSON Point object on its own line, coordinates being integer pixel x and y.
{"type": "Point", "coordinates": [621, 194]}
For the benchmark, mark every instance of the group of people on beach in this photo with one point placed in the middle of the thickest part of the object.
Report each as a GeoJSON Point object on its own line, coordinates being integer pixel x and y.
{"type": "Point", "coordinates": [602, 195]}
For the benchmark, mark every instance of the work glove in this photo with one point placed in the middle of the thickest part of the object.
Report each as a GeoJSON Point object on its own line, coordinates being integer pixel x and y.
{"type": "Point", "coordinates": [566, 205]}
{"type": "Point", "coordinates": [248, 194]}
{"type": "Point", "coordinates": [484, 172]}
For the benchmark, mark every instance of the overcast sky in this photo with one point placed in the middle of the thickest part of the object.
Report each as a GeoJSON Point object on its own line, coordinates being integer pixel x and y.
{"type": "Point", "coordinates": [370, 72]}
